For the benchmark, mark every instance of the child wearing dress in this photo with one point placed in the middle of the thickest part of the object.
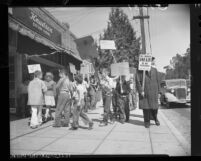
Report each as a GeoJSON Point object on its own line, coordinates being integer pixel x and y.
{"type": "Point", "coordinates": [49, 95]}
{"type": "Point", "coordinates": [36, 88]}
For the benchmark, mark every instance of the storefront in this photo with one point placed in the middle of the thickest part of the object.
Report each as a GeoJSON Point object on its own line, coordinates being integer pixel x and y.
{"type": "Point", "coordinates": [36, 37]}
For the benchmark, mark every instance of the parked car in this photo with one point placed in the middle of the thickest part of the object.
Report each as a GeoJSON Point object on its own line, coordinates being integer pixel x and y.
{"type": "Point", "coordinates": [173, 91]}
{"type": "Point", "coordinates": [188, 98]}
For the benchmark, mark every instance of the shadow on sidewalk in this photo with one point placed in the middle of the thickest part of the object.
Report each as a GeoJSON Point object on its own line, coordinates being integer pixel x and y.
{"type": "Point", "coordinates": [137, 122]}
{"type": "Point", "coordinates": [96, 120]}
{"type": "Point", "coordinates": [135, 115]}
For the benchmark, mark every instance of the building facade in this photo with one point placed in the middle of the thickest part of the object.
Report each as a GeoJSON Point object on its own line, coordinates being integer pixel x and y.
{"type": "Point", "coordinates": [36, 37]}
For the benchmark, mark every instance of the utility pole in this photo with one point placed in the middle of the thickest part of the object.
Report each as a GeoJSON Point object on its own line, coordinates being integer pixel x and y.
{"type": "Point", "coordinates": [141, 17]}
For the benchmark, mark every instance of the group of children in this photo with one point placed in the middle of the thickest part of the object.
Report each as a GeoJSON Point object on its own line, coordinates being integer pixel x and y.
{"type": "Point", "coordinates": [70, 100]}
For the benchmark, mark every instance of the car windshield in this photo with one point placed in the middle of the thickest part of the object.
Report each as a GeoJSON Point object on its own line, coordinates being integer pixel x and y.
{"type": "Point", "coordinates": [175, 83]}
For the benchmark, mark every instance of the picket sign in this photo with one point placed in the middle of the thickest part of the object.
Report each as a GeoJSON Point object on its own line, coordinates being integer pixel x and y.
{"type": "Point", "coordinates": [107, 44]}
{"type": "Point", "coordinates": [84, 69]}
{"type": "Point", "coordinates": [72, 68]}
{"type": "Point", "coordinates": [118, 69]}
{"type": "Point", "coordinates": [145, 62]}
{"type": "Point", "coordinates": [34, 67]}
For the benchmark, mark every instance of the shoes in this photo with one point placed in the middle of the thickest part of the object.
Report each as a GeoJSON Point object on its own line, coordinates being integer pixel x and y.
{"type": "Point", "coordinates": [157, 123]}
{"type": "Point", "coordinates": [91, 125]}
{"type": "Point", "coordinates": [74, 128]}
{"type": "Point", "coordinates": [111, 121]}
{"type": "Point", "coordinates": [34, 127]}
{"type": "Point", "coordinates": [122, 121]}
{"type": "Point", "coordinates": [147, 125]}
{"type": "Point", "coordinates": [103, 124]}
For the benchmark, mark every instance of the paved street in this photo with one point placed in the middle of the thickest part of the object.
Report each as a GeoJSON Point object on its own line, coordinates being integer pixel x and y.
{"type": "Point", "coordinates": [117, 138]}
{"type": "Point", "coordinates": [180, 117]}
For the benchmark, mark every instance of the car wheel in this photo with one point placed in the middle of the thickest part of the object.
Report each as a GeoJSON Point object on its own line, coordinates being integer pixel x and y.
{"type": "Point", "coordinates": [168, 105]}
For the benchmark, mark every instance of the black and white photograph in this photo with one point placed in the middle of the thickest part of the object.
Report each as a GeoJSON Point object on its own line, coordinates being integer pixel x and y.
{"type": "Point", "coordinates": [100, 80]}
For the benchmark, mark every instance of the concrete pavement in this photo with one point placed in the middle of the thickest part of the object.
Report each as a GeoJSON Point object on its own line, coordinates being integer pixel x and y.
{"type": "Point", "coordinates": [129, 138]}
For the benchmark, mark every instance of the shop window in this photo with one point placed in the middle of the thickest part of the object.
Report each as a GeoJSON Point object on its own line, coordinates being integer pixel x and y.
{"type": "Point", "coordinates": [12, 102]}
{"type": "Point", "coordinates": [12, 37]}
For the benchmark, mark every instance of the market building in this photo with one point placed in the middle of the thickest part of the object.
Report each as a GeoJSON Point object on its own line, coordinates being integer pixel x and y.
{"type": "Point", "coordinates": [36, 37]}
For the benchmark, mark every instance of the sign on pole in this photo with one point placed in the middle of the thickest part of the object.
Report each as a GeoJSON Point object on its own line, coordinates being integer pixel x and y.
{"type": "Point", "coordinates": [107, 44]}
{"type": "Point", "coordinates": [118, 69]}
{"type": "Point", "coordinates": [72, 68]}
{"type": "Point", "coordinates": [33, 68]}
{"type": "Point", "coordinates": [145, 62]}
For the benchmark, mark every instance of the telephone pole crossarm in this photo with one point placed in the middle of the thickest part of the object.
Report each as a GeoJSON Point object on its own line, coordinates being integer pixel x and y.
{"type": "Point", "coordinates": [141, 17]}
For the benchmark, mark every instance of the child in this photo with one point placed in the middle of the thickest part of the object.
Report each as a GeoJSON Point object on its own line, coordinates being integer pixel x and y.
{"type": "Point", "coordinates": [35, 99]}
{"type": "Point", "coordinates": [49, 95]}
{"type": "Point", "coordinates": [79, 105]}
{"type": "Point", "coordinates": [64, 88]}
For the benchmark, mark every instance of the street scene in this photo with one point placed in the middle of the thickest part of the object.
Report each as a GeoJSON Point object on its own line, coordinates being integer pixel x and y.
{"type": "Point", "coordinates": [99, 81]}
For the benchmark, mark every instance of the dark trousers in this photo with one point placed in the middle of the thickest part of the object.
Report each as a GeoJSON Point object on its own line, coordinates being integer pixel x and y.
{"type": "Point", "coordinates": [63, 104]}
{"type": "Point", "coordinates": [86, 103]}
{"type": "Point", "coordinates": [107, 111]}
{"type": "Point", "coordinates": [149, 114]}
{"type": "Point", "coordinates": [114, 104]}
{"type": "Point", "coordinates": [93, 101]}
{"type": "Point", "coordinates": [78, 111]}
{"type": "Point", "coordinates": [124, 108]}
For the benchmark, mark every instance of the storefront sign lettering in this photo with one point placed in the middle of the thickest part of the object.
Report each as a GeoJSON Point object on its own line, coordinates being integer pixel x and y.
{"type": "Point", "coordinates": [37, 24]}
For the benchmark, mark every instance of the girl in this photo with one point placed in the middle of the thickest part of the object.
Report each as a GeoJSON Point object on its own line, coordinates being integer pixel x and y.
{"type": "Point", "coordinates": [49, 95]}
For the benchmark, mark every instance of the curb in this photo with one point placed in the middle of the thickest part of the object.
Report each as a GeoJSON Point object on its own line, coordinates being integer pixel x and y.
{"type": "Point", "coordinates": [185, 144]}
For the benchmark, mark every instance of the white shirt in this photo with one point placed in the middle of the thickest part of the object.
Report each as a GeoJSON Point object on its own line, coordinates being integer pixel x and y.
{"type": "Point", "coordinates": [81, 90]}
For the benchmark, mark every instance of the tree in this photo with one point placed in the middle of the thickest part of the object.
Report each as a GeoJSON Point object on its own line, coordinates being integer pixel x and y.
{"type": "Point", "coordinates": [128, 46]}
{"type": "Point", "coordinates": [180, 66]}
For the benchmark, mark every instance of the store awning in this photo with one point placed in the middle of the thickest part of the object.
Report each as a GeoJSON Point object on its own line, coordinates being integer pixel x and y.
{"type": "Point", "coordinates": [46, 62]}
{"type": "Point", "coordinates": [27, 32]}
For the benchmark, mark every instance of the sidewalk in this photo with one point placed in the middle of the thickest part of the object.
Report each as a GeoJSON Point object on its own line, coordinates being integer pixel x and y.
{"type": "Point", "coordinates": [129, 138]}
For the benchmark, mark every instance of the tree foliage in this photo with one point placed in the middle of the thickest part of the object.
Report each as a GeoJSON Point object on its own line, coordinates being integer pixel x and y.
{"type": "Point", "coordinates": [180, 66]}
{"type": "Point", "coordinates": [119, 29]}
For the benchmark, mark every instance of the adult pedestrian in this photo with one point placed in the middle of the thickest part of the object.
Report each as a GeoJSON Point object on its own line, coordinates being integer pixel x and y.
{"type": "Point", "coordinates": [149, 97]}
{"type": "Point", "coordinates": [64, 90]}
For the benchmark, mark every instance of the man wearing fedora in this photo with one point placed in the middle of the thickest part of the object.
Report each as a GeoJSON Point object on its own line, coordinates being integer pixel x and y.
{"type": "Point", "coordinates": [149, 97]}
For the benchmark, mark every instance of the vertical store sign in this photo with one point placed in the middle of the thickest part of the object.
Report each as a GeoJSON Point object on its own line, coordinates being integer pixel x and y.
{"type": "Point", "coordinates": [34, 22]}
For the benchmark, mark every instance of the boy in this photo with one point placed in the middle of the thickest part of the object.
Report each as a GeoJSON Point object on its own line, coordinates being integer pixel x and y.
{"type": "Point", "coordinates": [79, 105]}
{"type": "Point", "coordinates": [35, 99]}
